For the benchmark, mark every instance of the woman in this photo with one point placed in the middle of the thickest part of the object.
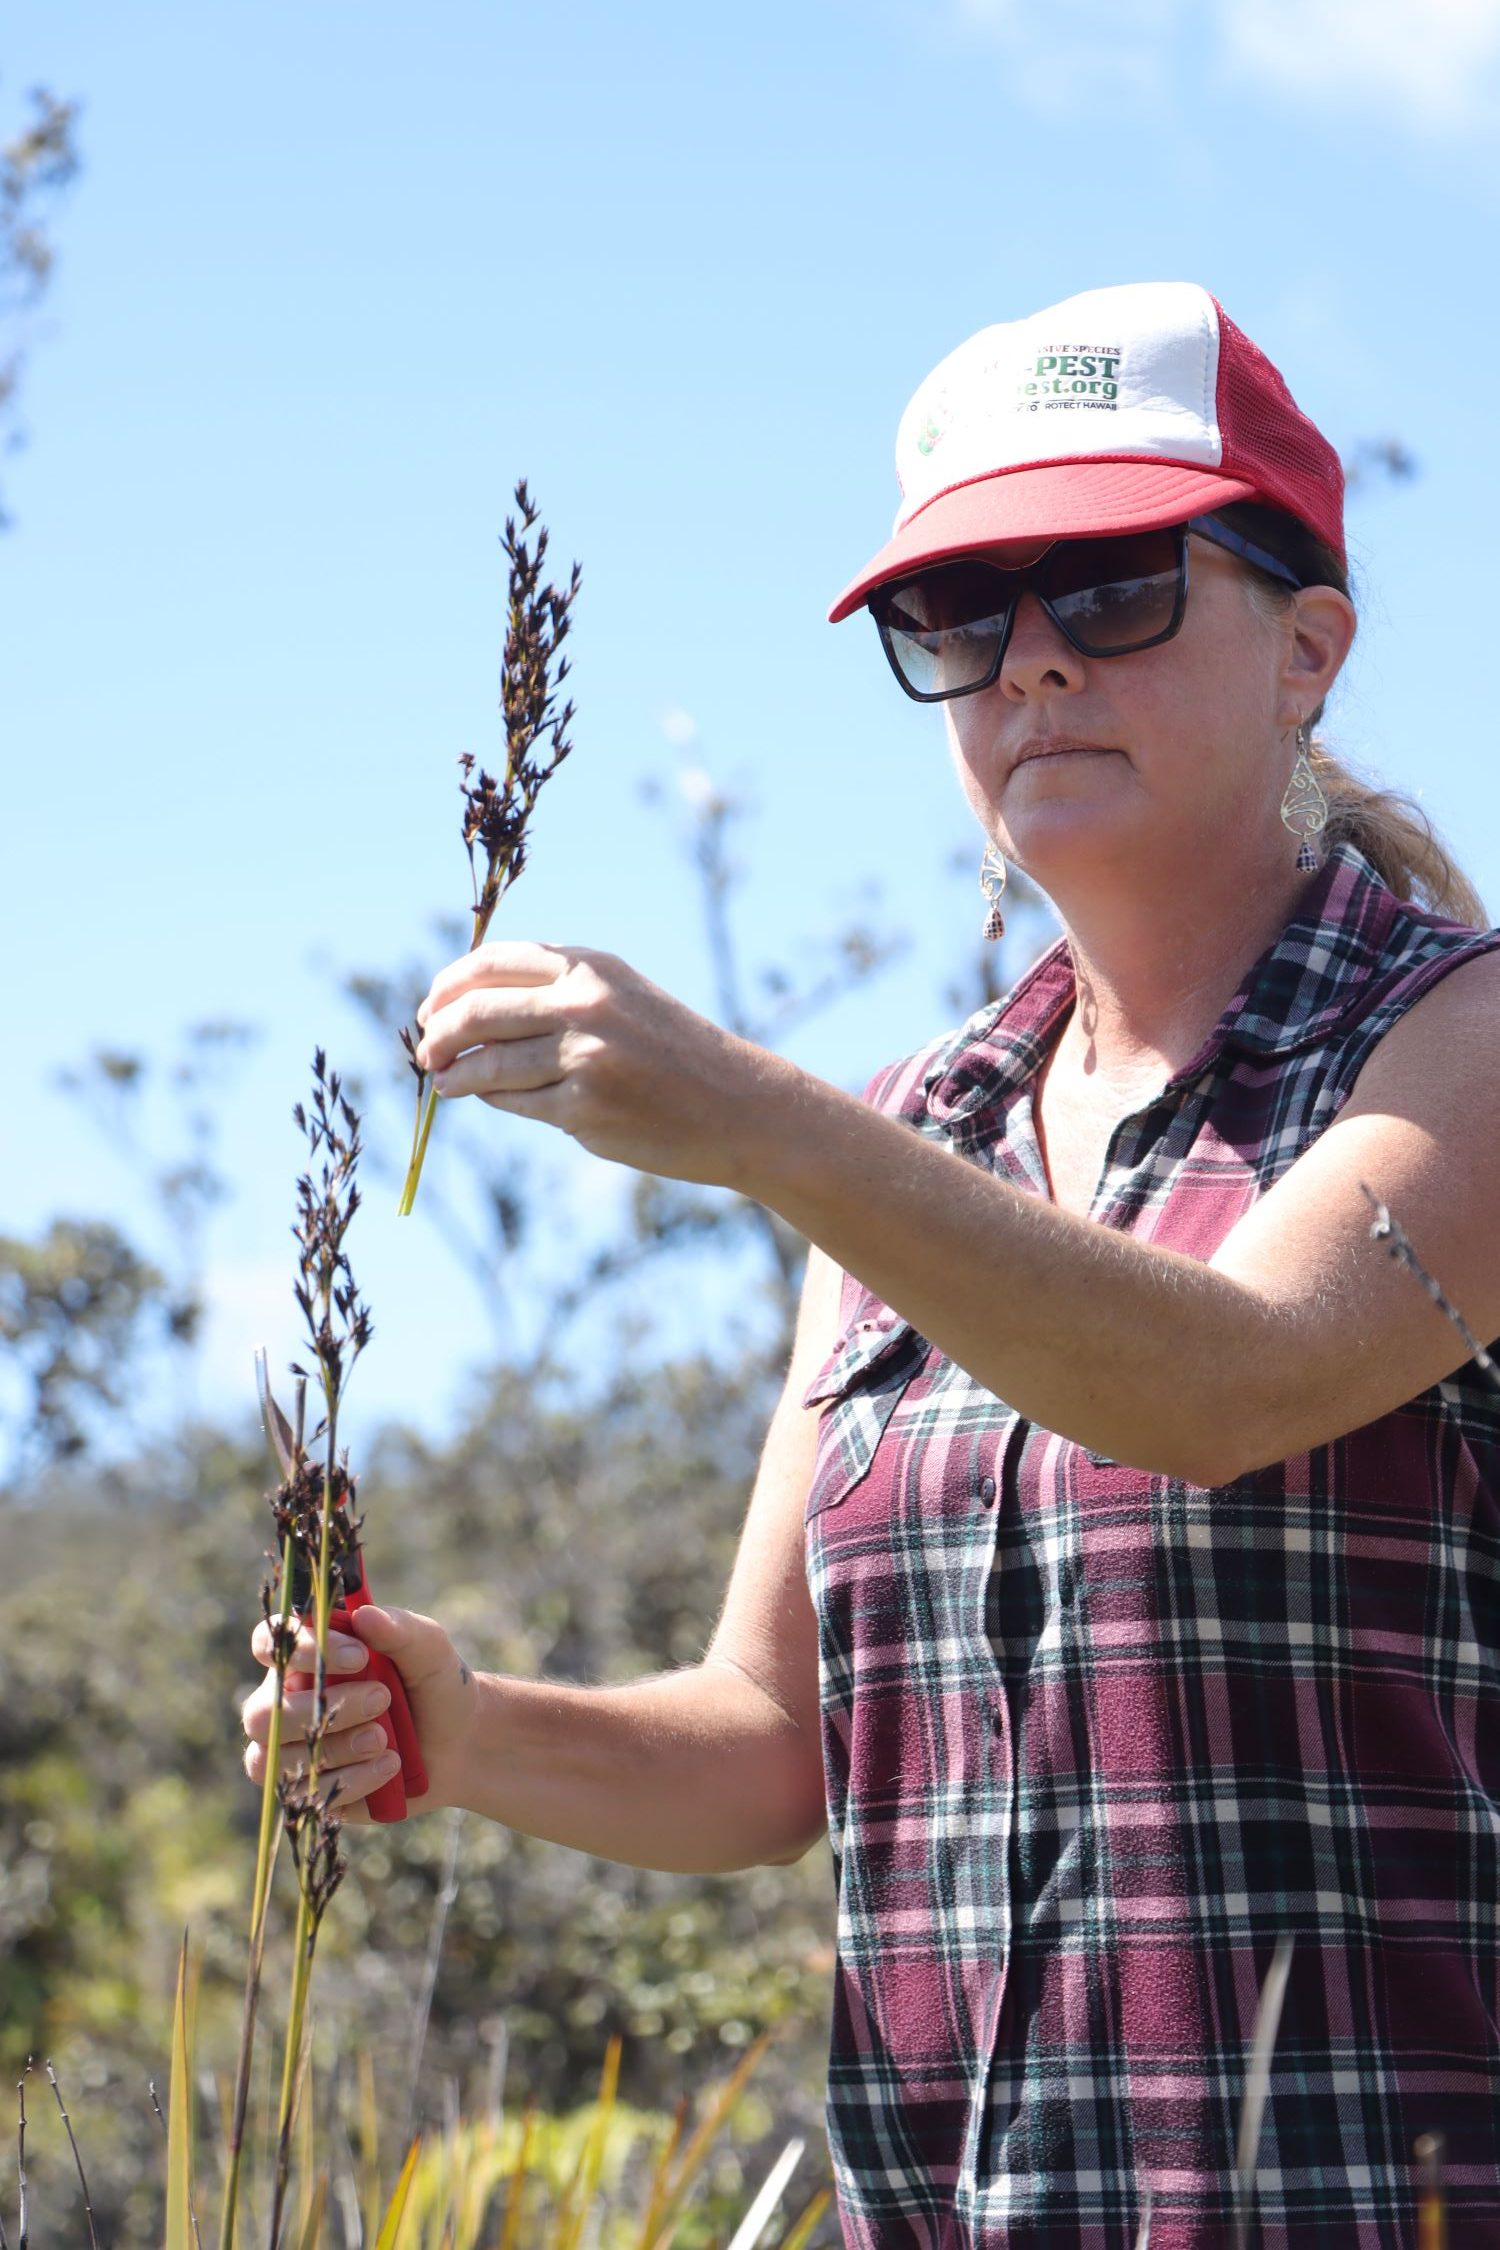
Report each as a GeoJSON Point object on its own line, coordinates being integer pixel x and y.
{"type": "Point", "coordinates": [1145, 1506]}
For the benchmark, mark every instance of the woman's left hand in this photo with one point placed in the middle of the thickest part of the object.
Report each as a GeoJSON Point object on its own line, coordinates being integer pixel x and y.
{"type": "Point", "coordinates": [581, 1041]}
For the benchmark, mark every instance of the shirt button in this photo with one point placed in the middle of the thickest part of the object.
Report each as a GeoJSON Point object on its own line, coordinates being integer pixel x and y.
{"type": "Point", "coordinates": [987, 1492]}
{"type": "Point", "coordinates": [997, 1719]}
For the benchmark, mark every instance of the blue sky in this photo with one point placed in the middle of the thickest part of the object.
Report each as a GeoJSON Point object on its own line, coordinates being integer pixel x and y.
{"type": "Point", "coordinates": [334, 277]}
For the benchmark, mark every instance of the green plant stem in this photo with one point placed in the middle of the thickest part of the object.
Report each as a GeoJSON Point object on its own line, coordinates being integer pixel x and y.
{"type": "Point", "coordinates": [267, 1850]}
{"type": "Point", "coordinates": [411, 1162]}
{"type": "Point", "coordinates": [306, 1936]}
{"type": "Point", "coordinates": [422, 1127]}
{"type": "Point", "coordinates": [302, 1952]}
{"type": "Point", "coordinates": [414, 1169]}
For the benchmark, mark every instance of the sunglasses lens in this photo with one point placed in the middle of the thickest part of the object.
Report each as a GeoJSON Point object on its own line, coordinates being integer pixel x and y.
{"type": "Point", "coordinates": [944, 628]}
{"type": "Point", "coordinates": [1114, 594]}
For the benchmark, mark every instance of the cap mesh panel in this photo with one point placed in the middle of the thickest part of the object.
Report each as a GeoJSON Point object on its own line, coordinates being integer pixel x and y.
{"type": "Point", "coordinates": [1270, 442]}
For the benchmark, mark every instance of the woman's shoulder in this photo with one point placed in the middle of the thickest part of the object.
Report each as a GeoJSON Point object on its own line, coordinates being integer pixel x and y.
{"type": "Point", "coordinates": [1422, 955]}
{"type": "Point", "coordinates": [1004, 1037]}
{"type": "Point", "coordinates": [904, 1088]}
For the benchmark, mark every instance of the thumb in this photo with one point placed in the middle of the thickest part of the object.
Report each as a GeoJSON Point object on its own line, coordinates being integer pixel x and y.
{"type": "Point", "coordinates": [416, 1645]}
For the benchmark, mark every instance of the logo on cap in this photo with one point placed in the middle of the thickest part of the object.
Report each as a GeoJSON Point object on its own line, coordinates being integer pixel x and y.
{"type": "Point", "coordinates": [1069, 375]}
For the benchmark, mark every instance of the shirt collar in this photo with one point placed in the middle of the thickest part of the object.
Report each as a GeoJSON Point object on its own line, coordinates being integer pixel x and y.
{"type": "Point", "coordinates": [1302, 985]}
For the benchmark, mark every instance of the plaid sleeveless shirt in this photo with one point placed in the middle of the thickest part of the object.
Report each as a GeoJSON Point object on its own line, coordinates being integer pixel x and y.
{"type": "Point", "coordinates": [1095, 1738]}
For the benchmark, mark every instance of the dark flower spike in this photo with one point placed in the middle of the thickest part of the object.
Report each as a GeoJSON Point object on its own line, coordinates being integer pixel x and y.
{"type": "Point", "coordinates": [317, 1534]}
{"type": "Point", "coordinates": [497, 812]}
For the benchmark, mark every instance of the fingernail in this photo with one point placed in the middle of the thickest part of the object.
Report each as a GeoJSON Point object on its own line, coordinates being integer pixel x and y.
{"type": "Point", "coordinates": [377, 1700]}
{"type": "Point", "coordinates": [350, 1656]}
{"type": "Point", "coordinates": [389, 1764]}
{"type": "Point", "coordinates": [422, 1015]}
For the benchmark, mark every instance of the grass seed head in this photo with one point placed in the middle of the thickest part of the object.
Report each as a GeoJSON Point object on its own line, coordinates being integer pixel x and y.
{"type": "Point", "coordinates": [533, 669]}
{"type": "Point", "coordinates": [497, 810]}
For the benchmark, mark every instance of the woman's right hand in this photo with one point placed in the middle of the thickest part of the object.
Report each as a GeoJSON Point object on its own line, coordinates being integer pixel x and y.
{"type": "Point", "coordinates": [441, 1689]}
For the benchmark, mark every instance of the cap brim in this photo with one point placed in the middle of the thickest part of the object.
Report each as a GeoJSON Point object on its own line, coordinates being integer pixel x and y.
{"type": "Point", "coordinates": [1054, 500]}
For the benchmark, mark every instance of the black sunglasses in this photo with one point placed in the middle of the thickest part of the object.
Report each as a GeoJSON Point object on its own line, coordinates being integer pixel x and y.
{"type": "Point", "coordinates": [946, 629]}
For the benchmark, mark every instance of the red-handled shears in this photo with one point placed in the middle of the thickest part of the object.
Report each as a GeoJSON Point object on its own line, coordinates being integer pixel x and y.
{"type": "Point", "coordinates": [388, 1802]}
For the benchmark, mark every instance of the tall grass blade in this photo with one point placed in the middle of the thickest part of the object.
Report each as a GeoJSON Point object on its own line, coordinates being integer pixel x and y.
{"type": "Point", "coordinates": [802, 2228]}
{"type": "Point", "coordinates": [555, 2237]}
{"type": "Point", "coordinates": [390, 2225]}
{"type": "Point", "coordinates": [591, 2158]}
{"type": "Point", "coordinates": [1143, 2233]}
{"type": "Point", "coordinates": [312, 2218]}
{"type": "Point", "coordinates": [478, 2183]}
{"type": "Point", "coordinates": [510, 2233]}
{"type": "Point", "coordinates": [179, 2228]}
{"type": "Point", "coordinates": [661, 2176]}
{"type": "Point", "coordinates": [223, 2102]}
{"type": "Point", "coordinates": [758, 2217]}
{"type": "Point", "coordinates": [720, 2109]}
{"type": "Point", "coordinates": [268, 1848]}
{"type": "Point", "coordinates": [1432, 2221]}
{"type": "Point", "coordinates": [1258, 2085]}
{"type": "Point", "coordinates": [306, 2153]}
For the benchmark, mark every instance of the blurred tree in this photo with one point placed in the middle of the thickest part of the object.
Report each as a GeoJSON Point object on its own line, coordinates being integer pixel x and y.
{"type": "Point", "coordinates": [592, 1543]}
{"type": "Point", "coordinates": [77, 1310]}
{"type": "Point", "coordinates": [35, 167]}
{"type": "Point", "coordinates": [186, 1183]}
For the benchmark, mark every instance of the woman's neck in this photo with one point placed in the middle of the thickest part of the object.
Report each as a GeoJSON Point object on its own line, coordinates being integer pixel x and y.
{"type": "Point", "coordinates": [1156, 969]}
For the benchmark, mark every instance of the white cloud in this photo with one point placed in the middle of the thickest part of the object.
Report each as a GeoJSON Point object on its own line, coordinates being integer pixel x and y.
{"type": "Point", "coordinates": [1435, 63]}
{"type": "Point", "coordinates": [1060, 55]}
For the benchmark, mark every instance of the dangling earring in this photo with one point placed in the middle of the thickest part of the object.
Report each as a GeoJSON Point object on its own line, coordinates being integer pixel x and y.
{"type": "Point", "coordinates": [992, 873]}
{"type": "Point", "coordinates": [1304, 808]}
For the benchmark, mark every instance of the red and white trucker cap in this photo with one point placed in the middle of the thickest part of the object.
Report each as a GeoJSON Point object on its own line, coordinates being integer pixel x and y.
{"type": "Point", "coordinates": [1120, 409]}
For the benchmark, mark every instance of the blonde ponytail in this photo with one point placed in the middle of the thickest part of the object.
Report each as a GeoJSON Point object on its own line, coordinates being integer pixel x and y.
{"type": "Point", "coordinates": [1391, 829]}
{"type": "Point", "coordinates": [1398, 840]}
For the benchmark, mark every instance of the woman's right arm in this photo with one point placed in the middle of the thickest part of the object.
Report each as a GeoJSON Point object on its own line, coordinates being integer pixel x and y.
{"type": "Point", "coordinates": [713, 1767]}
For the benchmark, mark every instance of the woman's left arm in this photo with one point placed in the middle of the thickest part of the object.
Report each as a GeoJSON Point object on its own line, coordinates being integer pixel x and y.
{"type": "Point", "coordinates": [1299, 1329]}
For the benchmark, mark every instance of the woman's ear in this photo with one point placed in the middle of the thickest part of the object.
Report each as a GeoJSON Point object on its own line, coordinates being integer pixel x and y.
{"type": "Point", "coordinates": [1322, 624]}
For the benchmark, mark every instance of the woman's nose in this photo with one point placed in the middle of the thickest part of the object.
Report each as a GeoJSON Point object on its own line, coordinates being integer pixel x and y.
{"type": "Point", "coordinates": [1037, 655]}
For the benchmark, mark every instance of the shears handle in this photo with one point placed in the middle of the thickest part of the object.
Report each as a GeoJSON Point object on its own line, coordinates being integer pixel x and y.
{"type": "Point", "coordinates": [388, 1802]}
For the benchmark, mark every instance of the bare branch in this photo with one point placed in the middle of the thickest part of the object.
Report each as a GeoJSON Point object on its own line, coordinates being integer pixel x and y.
{"type": "Point", "coordinates": [1386, 1230]}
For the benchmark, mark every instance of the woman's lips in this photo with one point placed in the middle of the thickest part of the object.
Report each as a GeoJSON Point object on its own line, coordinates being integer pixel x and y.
{"type": "Point", "coordinates": [1062, 750]}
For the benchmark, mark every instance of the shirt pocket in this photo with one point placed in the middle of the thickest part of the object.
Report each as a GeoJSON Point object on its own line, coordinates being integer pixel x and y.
{"type": "Point", "coordinates": [858, 1389]}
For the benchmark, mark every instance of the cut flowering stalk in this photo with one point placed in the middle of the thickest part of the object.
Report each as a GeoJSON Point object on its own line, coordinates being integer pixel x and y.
{"type": "Point", "coordinates": [338, 1328]}
{"type": "Point", "coordinates": [316, 1530]}
{"type": "Point", "coordinates": [497, 813]}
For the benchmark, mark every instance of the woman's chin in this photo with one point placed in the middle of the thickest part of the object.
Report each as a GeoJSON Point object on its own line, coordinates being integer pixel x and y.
{"type": "Point", "coordinates": [1062, 844]}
